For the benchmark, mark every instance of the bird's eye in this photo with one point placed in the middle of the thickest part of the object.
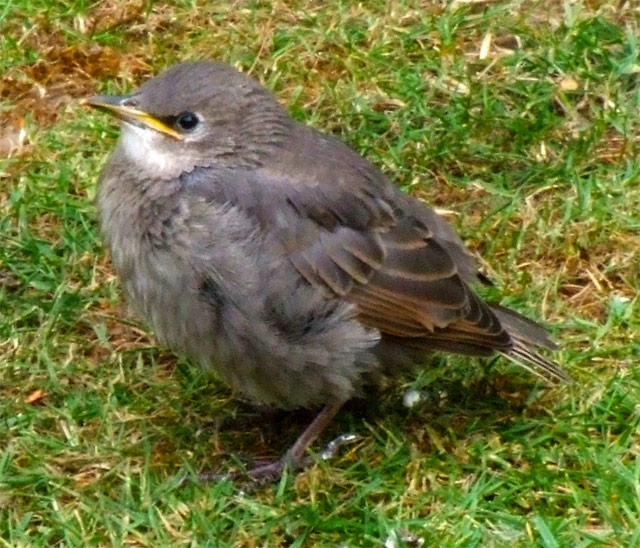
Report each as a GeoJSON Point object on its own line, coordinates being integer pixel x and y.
{"type": "Point", "coordinates": [187, 121]}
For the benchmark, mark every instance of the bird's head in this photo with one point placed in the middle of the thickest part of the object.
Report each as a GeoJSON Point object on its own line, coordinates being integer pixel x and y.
{"type": "Point", "coordinates": [196, 114]}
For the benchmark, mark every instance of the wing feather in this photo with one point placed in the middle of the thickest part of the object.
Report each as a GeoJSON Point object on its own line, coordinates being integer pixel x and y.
{"type": "Point", "coordinates": [343, 227]}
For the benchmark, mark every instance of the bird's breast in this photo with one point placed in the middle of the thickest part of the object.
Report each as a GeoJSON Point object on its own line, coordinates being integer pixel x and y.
{"type": "Point", "coordinates": [146, 229]}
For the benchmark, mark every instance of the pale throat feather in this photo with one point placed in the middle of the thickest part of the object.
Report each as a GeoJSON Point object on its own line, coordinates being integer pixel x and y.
{"type": "Point", "coordinates": [146, 147]}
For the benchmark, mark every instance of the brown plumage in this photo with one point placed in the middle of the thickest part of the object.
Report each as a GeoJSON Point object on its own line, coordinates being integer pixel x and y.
{"type": "Point", "coordinates": [279, 257]}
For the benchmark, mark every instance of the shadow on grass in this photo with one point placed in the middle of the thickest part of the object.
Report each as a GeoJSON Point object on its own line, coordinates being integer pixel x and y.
{"type": "Point", "coordinates": [219, 437]}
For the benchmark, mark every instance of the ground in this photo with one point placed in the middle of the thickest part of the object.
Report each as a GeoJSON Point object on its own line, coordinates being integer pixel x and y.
{"type": "Point", "coordinates": [518, 119]}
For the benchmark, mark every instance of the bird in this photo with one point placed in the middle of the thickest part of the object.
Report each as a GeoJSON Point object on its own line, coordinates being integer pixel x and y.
{"type": "Point", "coordinates": [280, 259]}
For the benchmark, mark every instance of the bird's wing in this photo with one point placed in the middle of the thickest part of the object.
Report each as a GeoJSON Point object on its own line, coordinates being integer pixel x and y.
{"type": "Point", "coordinates": [362, 239]}
{"type": "Point", "coordinates": [403, 281]}
{"type": "Point", "coordinates": [344, 227]}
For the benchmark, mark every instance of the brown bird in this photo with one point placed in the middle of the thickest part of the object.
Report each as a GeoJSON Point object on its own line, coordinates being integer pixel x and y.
{"type": "Point", "coordinates": [278, 257]}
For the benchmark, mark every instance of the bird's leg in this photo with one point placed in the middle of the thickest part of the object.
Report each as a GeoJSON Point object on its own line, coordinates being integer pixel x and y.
{"type": "Point", "coordinates": [299, 448]}
{"type": "Point", "coordinates": [295, 456]}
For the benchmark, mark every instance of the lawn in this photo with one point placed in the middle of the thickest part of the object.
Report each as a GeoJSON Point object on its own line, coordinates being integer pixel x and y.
{"type": "Point", "coordinates": [518, 119]}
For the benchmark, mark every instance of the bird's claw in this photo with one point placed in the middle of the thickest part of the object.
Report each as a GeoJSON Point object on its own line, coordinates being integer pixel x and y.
{"type": "Point", "coordinates": [271, 470]}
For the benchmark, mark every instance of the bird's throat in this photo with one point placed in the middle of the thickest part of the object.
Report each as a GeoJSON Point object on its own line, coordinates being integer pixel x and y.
{"type": "Point", "coordinates": [151, 153]}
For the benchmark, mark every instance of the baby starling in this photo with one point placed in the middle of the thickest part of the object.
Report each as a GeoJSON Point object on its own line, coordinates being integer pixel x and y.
{"type": "Point", "coordinates": [278, 257]}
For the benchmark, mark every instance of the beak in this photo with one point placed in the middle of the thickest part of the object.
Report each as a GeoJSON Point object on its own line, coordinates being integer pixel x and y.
{"type": "Point", "coordinates": [117, 105]}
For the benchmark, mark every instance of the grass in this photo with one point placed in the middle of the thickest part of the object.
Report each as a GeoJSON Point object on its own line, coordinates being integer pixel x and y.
{"type": "Point", "coordinates": [518, 117]}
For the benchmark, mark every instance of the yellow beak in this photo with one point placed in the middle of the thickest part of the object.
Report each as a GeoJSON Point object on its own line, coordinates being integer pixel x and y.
{"type": "Point", "coordinates": [116, 105]}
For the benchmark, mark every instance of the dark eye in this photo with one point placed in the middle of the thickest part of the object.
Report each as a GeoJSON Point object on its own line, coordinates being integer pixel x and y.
{"type": "Point", "coordinates": [187, 120]}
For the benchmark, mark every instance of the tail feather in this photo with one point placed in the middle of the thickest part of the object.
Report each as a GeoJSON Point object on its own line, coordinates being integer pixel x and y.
{"type": "Point", "coordinates": [523, 328]}
{"type": "Point", "coordinates": [535, 363]}
{"type": "Point", "coordinates": [527, 337]}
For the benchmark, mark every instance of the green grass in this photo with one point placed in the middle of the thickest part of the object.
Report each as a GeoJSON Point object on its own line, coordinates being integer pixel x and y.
{"type": "Point", "coordinates": [534, 147]}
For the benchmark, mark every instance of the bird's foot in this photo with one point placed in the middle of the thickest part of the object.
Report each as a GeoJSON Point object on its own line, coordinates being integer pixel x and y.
{"type": "Point", "coordinates": [273, 470]}
{"type": "Point", "coordinates": [297, 456]}
{"type": "Point", "coordinates": [264, 471]}
{"type": "Point", "coordinates": [270, 471]}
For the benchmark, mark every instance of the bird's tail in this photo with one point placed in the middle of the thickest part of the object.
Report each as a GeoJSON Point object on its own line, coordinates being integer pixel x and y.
{"type": "Point", "coordinates": [527, 338]}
